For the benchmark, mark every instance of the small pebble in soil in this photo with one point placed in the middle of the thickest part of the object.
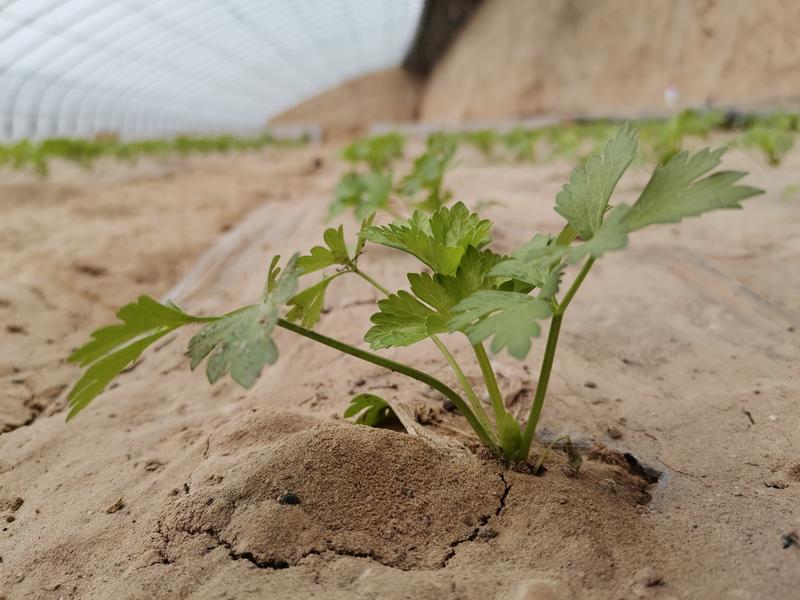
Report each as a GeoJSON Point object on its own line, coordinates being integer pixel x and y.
{"type": "Point", "coordinates": [289, 498]}
{"type": "Point", "coordinates": [614, 433]}
{"type": "Point", "coordinates": [790, 539]}
{"type": "Point", "coordinates": [590, 384]}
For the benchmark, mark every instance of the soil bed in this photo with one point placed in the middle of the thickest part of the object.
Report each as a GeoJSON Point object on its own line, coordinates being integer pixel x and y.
{"type": "Point", "coordinates": [169, 488]}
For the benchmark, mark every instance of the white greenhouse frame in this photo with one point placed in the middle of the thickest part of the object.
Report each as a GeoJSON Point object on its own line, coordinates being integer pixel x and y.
{"type": "Point", "coordinates": [75, 68]}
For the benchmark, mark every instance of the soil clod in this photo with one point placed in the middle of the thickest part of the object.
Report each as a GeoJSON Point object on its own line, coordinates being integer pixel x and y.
{"type": "Point", "coordinates": [649, 474]}
{"type": "Point", "coordinates": [776, 484]}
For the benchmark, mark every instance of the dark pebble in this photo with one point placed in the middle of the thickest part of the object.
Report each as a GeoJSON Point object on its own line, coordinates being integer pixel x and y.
{"type": "Point", "coordinates": [289, 498]}
{"type": "Point", "coordinates": [790, 539]}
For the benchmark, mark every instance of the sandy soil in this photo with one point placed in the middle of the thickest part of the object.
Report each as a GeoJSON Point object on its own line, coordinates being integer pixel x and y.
{"type": "Point", "coordinates": [524, 57]}
{"type": "Point", "coordinates": [75, 246]}
{"type": "Point", "coordinates": [345, 111]}
{"type": "Point", "coordinates": [681, 350]}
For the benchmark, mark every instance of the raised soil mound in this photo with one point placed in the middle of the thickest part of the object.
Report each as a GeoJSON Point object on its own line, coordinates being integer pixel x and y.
{"type": "Point", "coordinates": [349, 490]}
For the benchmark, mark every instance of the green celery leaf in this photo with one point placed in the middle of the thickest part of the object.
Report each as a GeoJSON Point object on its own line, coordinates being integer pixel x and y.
{"type": "Point", "coordinates": [406, 318]}
{"type": "Point", "coordinates": [612, 235]}
{"type": "Point", "coordinates": [474, 273]}
{"type": "Point", "coordinates": [321, 257]}
{"type": "Point", "coordinates": [509, 317]}
{"type": "Point", "coordinates": [307, 305]}
{"type": "Point", "coordinates": [400, 321]}
{"type": "Point", "coordinates": [428, 172]}
{"type": "Point", "coordinates": [241, 341]}
{"type": "Point", "coordinates": [243, 344]}
{"type": "Point", "coordinates": [367, 222]}
{"type": "Point", "coordinates": [104, 370]}
{"type": "Point", "coordinates": [533, 262]}
{"type": "Point", "coordinates": [365, 194]}
{"type": "Point", "coordinates": [442, 292]}
{"type": "Point", "coordinates": [583, 200]}
{"type": "Point", "coordinates": [377, 151]}
{"type": "Point", "coordinates": [549, 287]}
{"type": "Point", "coordinates": [347, 194]}
{"type": "Point", "coordinates": [114, 347]}
{"type": "Point", "coordinates": [372, 410]}
{"type": "Point", "coordinates": [375, 196]}
{"type": "Point", "coordinates": [272, 277]}
{"type": "Point", "coordinates": [138, 318]}
{"type": "Point", "coordinates": [439, 240]}
{"type": "Point", "coordinates": [431, 291]}
{"type": "Point", "coordinates": [675, 190]}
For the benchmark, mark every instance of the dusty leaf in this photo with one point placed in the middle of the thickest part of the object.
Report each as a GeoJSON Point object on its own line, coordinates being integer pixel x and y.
{"type": "Point", "coordinates": [509, 318]}
{"type": "Point", "coordinates": [678, 189]}
{"type": "Point", "coordinates": [307, 305]}
{"type": "Point", "coordinates": [584, 198]}
{"type": "Point", "coordinates": [240, 342]}
{"type": "Point", "coordinates": [612, 235]}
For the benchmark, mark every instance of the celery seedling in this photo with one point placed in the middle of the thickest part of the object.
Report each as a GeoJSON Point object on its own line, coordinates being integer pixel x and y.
{"type": "Point", "coordinates": [463, 288]}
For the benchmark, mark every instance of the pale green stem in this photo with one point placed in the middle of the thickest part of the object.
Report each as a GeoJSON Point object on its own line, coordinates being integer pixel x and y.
{"type": "Point", "coordinates": [549, 356]}
{"type": "Point", "coordinates": [477, 407]}
{"type": "Point", "coordinates": [371, 281]}
{"type": "Point", "coordinates": [491, 382]}
{"type": "Point", "coordinates": [562, 306]}
{"type": "Point", "coordinates": [480, 413]}
{"type": "Point", "coordinates": [541, 385]}
{"type": "Point", "coordinates": [403, 369]}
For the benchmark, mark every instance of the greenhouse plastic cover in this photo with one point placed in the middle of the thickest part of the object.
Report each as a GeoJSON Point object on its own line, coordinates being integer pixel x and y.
{"type": "Point", "coordinates": [152, 68]}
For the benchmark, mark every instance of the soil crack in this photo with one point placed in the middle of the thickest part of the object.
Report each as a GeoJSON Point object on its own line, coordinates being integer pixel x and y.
{"type": "Point", "coordinates": [273, 564]}
{"type": "Point", "coordinates": [482, 523]}
{"type": "Point", "coordinates": [233, 555]}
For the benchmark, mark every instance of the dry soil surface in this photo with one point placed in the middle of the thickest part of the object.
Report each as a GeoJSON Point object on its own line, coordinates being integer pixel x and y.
{"type": "Point", "coordinates": [682, 351]}
{"type": "Point", "coordinates": [526, 57]}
